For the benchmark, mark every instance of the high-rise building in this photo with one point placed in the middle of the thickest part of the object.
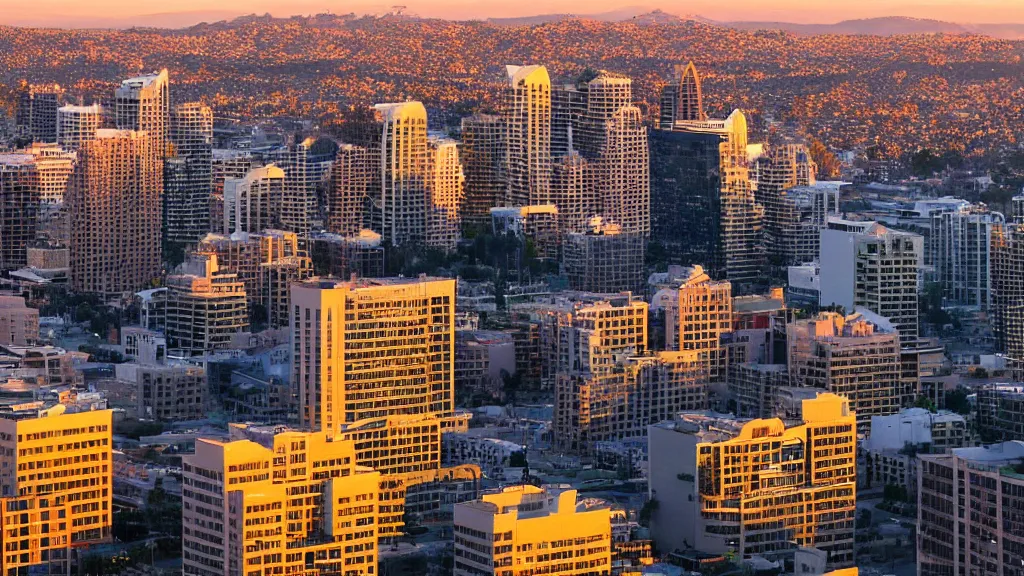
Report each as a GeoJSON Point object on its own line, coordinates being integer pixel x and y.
{"type": "Point", "coordinates": [698, 313]}
{"type": "Point", "coordinates": [253, 203]}
{"type": "Point", "coordinates": [969, 507]}
{"type": "Point", "coordinates": [56, 486]}
{"type": "Point", "coordinates": [114, 207]}
{"type": "Point", "coordinates": [143, 104]}
{"type": "Point", "coordinates": [738, 234]}
{"type": "Point", "coordinates": [298, 503]}
{"type": "Point", "coordinates": [36, 113]}
{"type": "Point", "coordinates": [342, 256]}
{"type": "Point", "coordinates": [77, 124]}
{"type": "Point", "coordinates": [539, 224]}
{"type": "Point", "coordinates": [1007, 279]}
{"type": "Point", "coordinates": [528, 530]}
{"type": "Point", "coordinates": [205, 306]}
{"type": "Point", "coordinates": [188, 174]}
{"type": "Point", "coordinates": [527, 113]}
{"type": "Point", "coordinates": [54, 165]}
{"type": "Point", "coordinates": [682, 100]}
{"type": "Point", "coordinates": [353, 178]}
{"type": "Point", "coordinates": [445, 192]}
{"type": "Point", "coordinates": [483, 159]}
{"type": "Point", "coordinates": [857, 356]}
{"type": "Point", "coordinates": [604, 259]}
{"type": "Point", "coordinates": [226, 164]}
{"type": "Point", "coordinates": [960, 250]}
{"type": "Point", "coordinates": [19, 207]}
{"type": "Point", "coordinates": [403, 191]}
{"type": "Point", "coordinates": [757, 487]}
{"type": "Point", "coordinates": [307, 169]}
{"type": "Point", "coordinates": [574, 192]}
{"type": "Point", "coordinates": [866, 264]}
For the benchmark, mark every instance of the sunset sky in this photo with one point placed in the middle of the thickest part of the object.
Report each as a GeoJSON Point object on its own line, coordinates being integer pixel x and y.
{"type": "Point", "coordinates": [76, 13]}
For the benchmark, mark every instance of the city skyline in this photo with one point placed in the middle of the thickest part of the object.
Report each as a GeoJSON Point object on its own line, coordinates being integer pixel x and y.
{"type": "Point", "coordinates": [122, 13]}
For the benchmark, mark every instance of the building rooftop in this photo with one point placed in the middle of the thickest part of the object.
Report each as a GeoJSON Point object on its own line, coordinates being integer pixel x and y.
{"type": "Point", "coordinates": [325, 283]}
{"type": "Point", "coordinates": [1003, 453]}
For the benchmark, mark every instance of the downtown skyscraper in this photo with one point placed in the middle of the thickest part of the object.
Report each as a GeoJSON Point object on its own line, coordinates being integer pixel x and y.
{"type": "Point", "coordinates": [527, 112]}
{"type": "Point", "coordinates": [188, 174]}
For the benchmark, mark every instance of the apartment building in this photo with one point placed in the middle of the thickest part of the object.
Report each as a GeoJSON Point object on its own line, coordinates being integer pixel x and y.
{"type": "Point", "coordinates": [353, 176]}
{"type": "Point", "coordinates": [960, 250]}
{"type": "Point", "coordinates": [445, 193]}
{"type": "Point", "coordinates": [36, 113]}
{"type": "Point", "coordinates": [483, 160]}
{"type": "Point", "coordinates": [55, 486]}
{"type": "Point", "coordinates": [77, 124]}
{"type": "Point", "coordinates": [19, 208]}
{"type": "Point", "coordinates": [757, 487]}
{"type": "Point", "coordinates": [19, 324]}
{"type": "Point", "coordinates": [855, 356]}
{"type": "Point", "coordinates": [342, 256]}
{"type": "Point", "coordinates": [402, 199]}
{"type": "Point", "coordinates": [604, 259]}
{"type": "Point", "coordinates": [143, 104]}
{"type": "Point", "coordinates": [754, 387]}
{"type": "Point", "coordinates": [188, 174]}
{"type": "Point", "coordinates": [253, 203]}
{"type": "Point", "coordinates": [298, 504]}
{"type": "Point", "coordinates": [167, 393]}
{"type": "Point", "coordinates": [538, 223]}
{"type": "Point", "coordinates": [969, 505]}
{"type": "Point", "coordinates": [1007, 251]}
{"type": "Point", "coordinates": [525, 530]}
{"type": "Point", "coordinates": [698, 312]}
{"type": "Point", "coordinates": [1000, 412]}
{"type": "Point", "coordinates": [526, 109]}
{"type": "Point", "coordinates": [895, 441]}
{"type": "Point", "coordinates": [205, 307]}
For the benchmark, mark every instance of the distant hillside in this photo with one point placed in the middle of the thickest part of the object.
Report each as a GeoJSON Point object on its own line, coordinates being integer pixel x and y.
{"type": "Point", "coordinates": [635, 14]}
{"type": "Point", "coordinates": [888, 26]}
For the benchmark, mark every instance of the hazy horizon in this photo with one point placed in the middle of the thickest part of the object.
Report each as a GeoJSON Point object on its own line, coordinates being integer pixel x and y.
{"type": "Point", "coordinates": [114, 13]}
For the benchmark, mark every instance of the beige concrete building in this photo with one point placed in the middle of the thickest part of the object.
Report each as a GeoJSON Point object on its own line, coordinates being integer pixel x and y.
{"type": "Point", "coordinates": [353, 176]}
{"type": "Point", "coordinates": [445, 193]}
{"type": "Point", "coordinates": [969, 511]}
{"type": "Point", "coordinates": [527, 114]}
{"type": "Point", "coordinates": [403, 192]}
{"type": "Point", "coordinates": [855, 356]}
{"type": "Point", "coordinates": [114, 205]}
{"type": "Point", "coordinates": [188, 174]}
{"type": "Point", "coordinates": [143, 104]}
{"type": "Point", "coordinates": [77, 124]}
{"type": "Point", "coordinates": [605, 259]}
{"type": "Point", "coordinates": [19, 324]}
{"type": "Point", "coordinates": [297, 504]}
{"type": "Point", "coordinates": [253, 203]}
{"type": "Point", "coordinates": [757, 487]}
{"type": "Point", "coordinates": [168, 393]}
{"type": "Point", "coordinates": [526, 530]}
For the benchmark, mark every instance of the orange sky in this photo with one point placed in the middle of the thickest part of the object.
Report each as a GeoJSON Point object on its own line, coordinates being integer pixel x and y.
{"type": "Point", "coordinates": [174, 12]}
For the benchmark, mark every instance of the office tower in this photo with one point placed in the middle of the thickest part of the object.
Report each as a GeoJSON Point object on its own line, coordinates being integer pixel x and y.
{"type": "Point", "coordinates": [968, 511]}
{"type": "Point", "coordinates": [525, 529]}
{"type": "Point", "coordinates": [960, 250]}
{"type": "Point", "coordinates": [574, 192]}
{"type": "Point", "coordinates": [188, 174]}
{"type": "Point", "coordinates": [226, 164]}
{"type": "Point", "coordinates": [1000, 413]}
{"type": "Point", "coordinates": [619, 402]}
{"type": "Point", "coordinates": [253, 203]}
{"type": "Point", "coordinates": [445, 192]}
{"type": "Point", "coordinates": [757, 487]}
{"type": "Point", "coordinates": [335, 373]}
{"type": "Point", "coordinates": [56, 486]}
{"type": "Point", "coordinates": [1007, 279]}
{"type": "Point", "coordinates": [342, 256]}
{"type": "Point", "coordinates": [267, 263]}
{"type": "Point", "coordinates": [527, 113]}
{"type": "Point", "coordinates": [19, 207]}
{"type": "Point", "coordinates": [483, 160]}
{"type": "Point", "coordinates": [737, 236]}
{"type": "Point", "coordinates": [307, 169]}
{"type": "Point", "coordinates": [77, 124]}
{"type": "Point", "coordinates": [353, 178]}
{"type": "Point", "coordinates": [205, 307]}
{"type": "Point", "coordinates": [36, 113]}
{"type": "Point", "coordinates": [297, 504]}
{"type": "Point", "coordinates": [167, 393]}
{"type": "Point", "coordinates": [401, 203]}
{"type": "Point", "coordinates": [373, 361]}
{"type": "Point", "coordinates": [857, 356]}
{"type": "Point", "coordinates": [593, 332]}
{"type": "Point", "coordinates": [682, 100]}
{"type": "Point", "coordinates": [604, 259]}
{"type": "Point", "coordinates": [114, 206]}
{"type": "Point", "coordinates": [54, 166]}
{"type": "Point", "coordinates": [143, 104]}
{"type": "Point", "coordinates": [866, 264]}
{"type": "Point", "coordinates": [19, 324]}
{"type": "Point", "coordinates": [698, 314]}
{"type": "Point", "coordinates": [686, 202]}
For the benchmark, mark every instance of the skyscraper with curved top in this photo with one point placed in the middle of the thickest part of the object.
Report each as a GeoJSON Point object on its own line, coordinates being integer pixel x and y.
{"type": "Point", "coordinates": [528, 137]}
{"type": "Point", "coordinates": [682, 100]}
{"type": "Point", "coordinates": [403, 165]}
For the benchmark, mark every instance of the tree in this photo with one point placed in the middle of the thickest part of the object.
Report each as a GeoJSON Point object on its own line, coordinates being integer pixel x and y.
{"type": "Point", "coordinates": [924, 402]}
{"type": "Point", "coordinates": [517, 460]}
{"type": "Point", "coordinates": [956, 400]}
{"type": "Point", "coordinates": [647, 510]}
{"type": "Point", "coordinates": [828, 164]}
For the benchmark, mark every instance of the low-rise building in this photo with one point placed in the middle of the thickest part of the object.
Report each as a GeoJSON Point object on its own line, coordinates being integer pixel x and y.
{"type": "Point", "coordinates": [1000, 412]}
{"type": "Point", "coordinates": [167, 393]}
{"type": "Point", "coordinates": [483, 360]}
{"type": "Point", "coordinates": [19, 324]}
{"type": "Point", "coordinates": [894, 442]}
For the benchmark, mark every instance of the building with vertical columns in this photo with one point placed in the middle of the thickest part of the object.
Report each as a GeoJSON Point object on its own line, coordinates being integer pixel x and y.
{"type": "Point", "coordinates": [188, 174]}
{"type": "Point", "coordinates": [574, 192]}
{"type": "Point", "coordinates": [307, 169]}
{"type": "Point", "coordinates": [445, 193]}
{"type": "Point", "coordinates": [36, 112]}
{"type": "Point", "coordinates": [528, 530]}
{"type": "Point", "coordinates": [77, 124]}
{"type": "Point", "coordinates": [960, 250]}
{"type": "Point", "coordinates": [624, 185]}
{"type": "Point", "coordinates": [682, 99]}
{"type": "Point", "coordinates": [757, 487]}
{"type": "Point", "coordinates": [19, 207]}
{"type": "Point", "coordinates": [866, 264]}
{"type": "Point", "coordinates": [969, 506]}
{"type": "Point", "coordinates": [143, 104]}
{"type": "Point", "coordinates": [253, 203]}
{"type": "Point", "coordinates": [226, 164]}
{"type": "Point", "coordinates": [403, 173]}
{"type": "Point", "coordinates": [1007, 277]}
{"type": "Point", "coordinates": [297, 503]}
{"type": "Point", "coordinates": [604, 259]}
{"type": "Point", "coordinates": [113, 203]}
{"type": "Point", "coordinates": [205, 306]}
{"type": "Point", "coordinates": [483, 159]}
{"type": "Point", "coordinates": [56, 486]}
{"type": "Point", "coordinates": [527, 112]}
{"type": "Point", "coordinates": [856, 356]}
{"type": "Point", "coordinates": [353, 178]}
